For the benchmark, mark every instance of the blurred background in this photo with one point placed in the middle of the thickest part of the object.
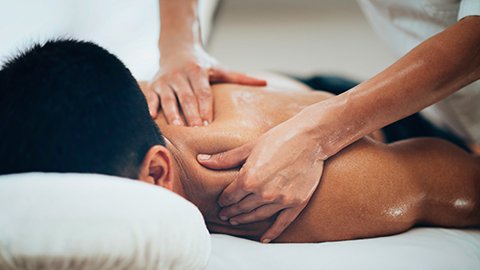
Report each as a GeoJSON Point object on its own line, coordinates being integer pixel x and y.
{"type": "Point", "coordinates": [299, 37]}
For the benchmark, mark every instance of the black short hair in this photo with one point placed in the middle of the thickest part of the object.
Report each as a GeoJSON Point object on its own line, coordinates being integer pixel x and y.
{"type": "Point", "coordinates": [71, 106]}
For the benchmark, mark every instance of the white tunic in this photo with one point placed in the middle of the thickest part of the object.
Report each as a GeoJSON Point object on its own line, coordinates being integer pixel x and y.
{"type": "Point", "coordinates": [405, 24]}
{"type": "Point", "coordinates": [127, 28]}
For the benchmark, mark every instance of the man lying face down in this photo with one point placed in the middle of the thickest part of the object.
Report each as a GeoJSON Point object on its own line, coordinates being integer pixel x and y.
{"type": "Point", "coordinates": [70, 106]}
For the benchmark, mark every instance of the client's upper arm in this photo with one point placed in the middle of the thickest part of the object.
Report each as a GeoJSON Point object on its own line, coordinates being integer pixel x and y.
{"type": "Point", "coordinates": [370, 189]}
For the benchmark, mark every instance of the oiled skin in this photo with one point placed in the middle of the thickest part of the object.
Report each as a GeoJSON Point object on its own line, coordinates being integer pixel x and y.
{"type": "Point", "coordinates": [368, 189]}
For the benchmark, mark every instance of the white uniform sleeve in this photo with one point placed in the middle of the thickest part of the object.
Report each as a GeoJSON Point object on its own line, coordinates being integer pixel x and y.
{"type": "Point", "coordinates": [469, 8]}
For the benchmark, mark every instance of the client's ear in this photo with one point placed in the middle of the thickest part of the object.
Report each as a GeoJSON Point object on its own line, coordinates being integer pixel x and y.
{"type": "Point", "coordinates": [157, 167]}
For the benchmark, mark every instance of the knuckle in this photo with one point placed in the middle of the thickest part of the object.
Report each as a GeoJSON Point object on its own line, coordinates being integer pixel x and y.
{"type": "Point", "coordinates": [189, 99]}
{"type": "Point", "coordinates": [158, 87]}
{"type": "Point", "coordinates": [286, 198]}
{"type": "Point", "coordinates": [247, 185]}
{"type": "Point", "coordinates": [176, 74]}
{"type": "Point", "coordinates": [238, 208]}
{"type": "Point", "coordinates": [256, 214]}
{"type": "Point", "coordinates": [227, 200]}
{"type": "Point", "coordinates": [247, 175]}
{"type": "Point", "coordinates": [167, 98]}
{"type": "Point", "coordinates": [166, 78]}
{"type": "Point", "coordinates": [267, 196]}
{"type": "Point", "coordinates": [194, 67]}
{"type": "Point", "coordinates": [296, 200]}
{"type": "Point", "coordinates": [159, 79]}
{"type": "Point", "coordinates": [290, 199]}
{"type": "Point", "coordinates": [150, 94]}
{"type": "Point", "coordinates": [185, 97]}
{"type": "Point", "coordinates": [204, 93]}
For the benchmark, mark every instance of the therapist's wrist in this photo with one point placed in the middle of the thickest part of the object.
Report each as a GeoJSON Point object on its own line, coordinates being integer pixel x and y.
{"type": "Point", "coordinates": [180, 37]}
{"type": "Point", "coordinates": [328, 124]}
{"type": "Point", "coordinates": [310, 126]}
{"type": "Point", "coordinates": [182, 53]}
{"type": "Point", "coordinates": [177, 45]}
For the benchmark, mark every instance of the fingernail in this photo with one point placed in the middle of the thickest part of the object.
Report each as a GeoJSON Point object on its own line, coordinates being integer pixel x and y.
{"type": "Point", "coordinates": [176, 122]}
{"type": "Point", "coordinates": [205, 123]}
{"type": "Point", "coordinates": [224, 218]}
{"type": "Point", "coordinates": [234, 223]}
{"type": "Point", "coordinates": [203, 157]}
{"type": "Point", "coordinates": [266, 240]}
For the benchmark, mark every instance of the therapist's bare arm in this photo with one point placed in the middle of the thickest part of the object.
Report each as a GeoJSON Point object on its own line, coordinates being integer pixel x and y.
{"type": "Point", "coordinates": [182, 86]}
{"type": "Point", "coordinates": [430, 72]}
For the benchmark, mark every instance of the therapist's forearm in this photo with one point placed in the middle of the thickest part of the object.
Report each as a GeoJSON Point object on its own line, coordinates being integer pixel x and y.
{"type": "Point", "coordinates": [430, 72]}
{"type": "Point", "coordinates": [179, 25]}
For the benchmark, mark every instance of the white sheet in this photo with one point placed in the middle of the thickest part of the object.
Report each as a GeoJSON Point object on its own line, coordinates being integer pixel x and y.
{"type": "Point", "coordinates": [420, 248]}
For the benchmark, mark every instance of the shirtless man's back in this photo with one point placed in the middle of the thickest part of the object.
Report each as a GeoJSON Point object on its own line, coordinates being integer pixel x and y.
{"type": "Point", "coordinates": [368, 189]}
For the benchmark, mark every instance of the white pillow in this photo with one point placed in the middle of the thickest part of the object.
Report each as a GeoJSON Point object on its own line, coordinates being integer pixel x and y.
{"type": "Point", "coordinates": [89, 221]}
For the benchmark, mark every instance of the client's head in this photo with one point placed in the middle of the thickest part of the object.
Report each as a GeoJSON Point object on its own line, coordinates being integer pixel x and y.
{"type": "Point", "coordinates": [71, 106]}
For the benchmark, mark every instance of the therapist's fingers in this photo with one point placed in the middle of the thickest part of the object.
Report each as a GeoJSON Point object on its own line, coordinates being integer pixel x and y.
{"type": "Point", "coordinates": [233, 193]}
{"type": "Point", "coordinates": [239, 188]}
{"type": "Point", "coordinates": [249, 203]}
{"type": "Point", "coordinates": [284, 219]}
{"type": "Point", "coordinates": [228, 159]}
{"type": "Point", "coordinates": [169, 105]}
{"type": "Point", "coordinates": [261, 213]}
{"type": "Point", "coordinates": [199, 81]}
{"type": "Point", "coordinates": [222, 75]}
{"type": "Point", "coordinates": [187, 100]}
{"type": "Point", "coordinates": [153, 102]}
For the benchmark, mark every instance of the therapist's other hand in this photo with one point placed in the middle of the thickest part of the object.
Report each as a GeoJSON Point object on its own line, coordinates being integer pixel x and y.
{"type": "Point", "coordinates": [185, 76]}
{"type": "Point", "coordinates": [282, 169]}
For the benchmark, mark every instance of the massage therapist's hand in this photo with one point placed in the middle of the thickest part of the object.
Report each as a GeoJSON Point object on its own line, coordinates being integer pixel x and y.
{"type": "Point", "coordinates": [185, 76]}
{"type": "Point", "coordinates": [282, 169]}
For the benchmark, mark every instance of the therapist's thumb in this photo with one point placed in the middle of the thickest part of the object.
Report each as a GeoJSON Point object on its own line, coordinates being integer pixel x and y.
{"type": "Point", "coordinates": [226, 160]}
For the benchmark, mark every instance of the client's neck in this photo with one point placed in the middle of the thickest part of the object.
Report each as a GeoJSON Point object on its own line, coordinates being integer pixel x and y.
{"type": "Point", "coordinates": [185, 183]}
{"type": "Point", "coordinates": [202, 187]}
{"type": "Point", "coordinates": [178, 172]}
{"type": "Point", "coordinates": [195, 183]}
